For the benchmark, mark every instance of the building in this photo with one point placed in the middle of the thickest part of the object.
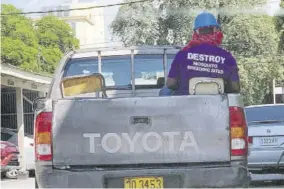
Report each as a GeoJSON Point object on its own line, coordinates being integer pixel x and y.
{"type": "Point", "coordinates": [278, 91]}
{"type": "Point", "coordinates": [88, 25]}
{"type": "Point", "coordinates": [18, 90]}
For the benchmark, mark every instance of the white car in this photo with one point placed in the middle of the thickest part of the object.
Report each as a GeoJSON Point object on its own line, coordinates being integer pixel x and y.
{"type": "Point", "coordinates": [10, 135]}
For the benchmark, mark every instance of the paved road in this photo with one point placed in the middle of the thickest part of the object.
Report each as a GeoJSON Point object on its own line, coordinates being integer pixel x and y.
{"type": "Point", "coordinates": [29, 183]}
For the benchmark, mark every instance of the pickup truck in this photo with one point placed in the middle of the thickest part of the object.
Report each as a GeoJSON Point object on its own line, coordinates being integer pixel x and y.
{"type": "Point", "coordinates": [126, 135]}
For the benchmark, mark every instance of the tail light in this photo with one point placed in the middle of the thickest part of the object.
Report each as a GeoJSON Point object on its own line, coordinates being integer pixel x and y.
{"type": "Point", "coordinates": [43, 140]}
{"type": "Point", "coordinates": [238, 127]}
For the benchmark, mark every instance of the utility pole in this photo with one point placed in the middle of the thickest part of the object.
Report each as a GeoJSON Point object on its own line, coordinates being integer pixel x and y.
{"type": "Point", "coordinates": [274, 96]}
{"type": "Point", "coordinates": [38, 58]}
{"type": "Point", "coordinates": [220, 6]}
{"type": "Point", "coordinates": [21, 133]}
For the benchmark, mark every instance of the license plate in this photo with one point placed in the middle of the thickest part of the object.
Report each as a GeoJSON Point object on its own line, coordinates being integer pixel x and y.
{"type": "Point", "coordinates": [144, 182]}
{"type": "Point", "coordinates": [269, 141]}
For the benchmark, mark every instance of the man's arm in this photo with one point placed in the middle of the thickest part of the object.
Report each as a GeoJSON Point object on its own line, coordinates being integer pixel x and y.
{"type": "Point", "coordinates": [232, 87]}
{"type": "Point", "coordinates": [172, 80]}
{"type": "Point", "coordinates": [233, 83]}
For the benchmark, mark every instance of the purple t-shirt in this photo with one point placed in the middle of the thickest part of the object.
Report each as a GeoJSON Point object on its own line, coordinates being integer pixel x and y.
{"type": "Point", "coordinates": [203, 60]}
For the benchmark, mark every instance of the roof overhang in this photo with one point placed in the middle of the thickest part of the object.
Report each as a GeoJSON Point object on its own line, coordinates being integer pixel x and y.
{"type": "Point", "coordinates": [72, 19]}
{"type": "Point", "coordinates": [15, 77]}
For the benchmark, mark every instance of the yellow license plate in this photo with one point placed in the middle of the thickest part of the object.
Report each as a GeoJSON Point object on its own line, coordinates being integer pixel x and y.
{"type": "Point", "coordinates": [144, 182]}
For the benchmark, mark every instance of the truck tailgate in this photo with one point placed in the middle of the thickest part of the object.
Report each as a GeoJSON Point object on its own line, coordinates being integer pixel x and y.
{"type": "Point", "coordinates": [182, 129]}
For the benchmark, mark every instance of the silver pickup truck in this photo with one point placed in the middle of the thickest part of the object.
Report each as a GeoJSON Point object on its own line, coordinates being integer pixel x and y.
{"type": "Point", "coordinates": [127, 136]}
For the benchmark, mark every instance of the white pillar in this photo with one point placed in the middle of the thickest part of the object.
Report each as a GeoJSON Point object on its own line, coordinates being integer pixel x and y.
{"type": "Point", "coordinates": [20, 127]}
{"type": "Point", "coordinates": [273, 91]}
{"type": "Point", "coordinates": [41, 94]}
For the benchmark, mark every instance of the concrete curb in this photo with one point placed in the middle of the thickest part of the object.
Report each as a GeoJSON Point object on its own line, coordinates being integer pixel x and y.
{"type": "Point", "coordinates": [22, 175]}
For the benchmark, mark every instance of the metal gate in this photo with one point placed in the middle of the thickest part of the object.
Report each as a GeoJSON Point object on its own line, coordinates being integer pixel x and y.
{"type": "Point", "coordinates": [9, 109]}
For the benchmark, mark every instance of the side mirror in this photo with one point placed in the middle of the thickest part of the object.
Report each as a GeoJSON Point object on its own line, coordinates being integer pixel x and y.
{"type": "Point", "coordinates": [38, 103]}
{"type": "Point", "coordinates": [82, 84]}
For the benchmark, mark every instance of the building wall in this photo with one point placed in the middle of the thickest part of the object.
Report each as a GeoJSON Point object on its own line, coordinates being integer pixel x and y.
{"type": "Point", "coordinates": [88, 34]}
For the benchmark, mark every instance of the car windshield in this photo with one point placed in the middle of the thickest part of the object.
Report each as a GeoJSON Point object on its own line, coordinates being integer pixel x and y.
{"type": "Point", "coordinates": [117, 69]}
{"type": "Point", "coordinates": [5, 136]}
{"type": "Point", "coordinates": [264, 114]}
{"type": "Point", "coordinates": [10, 137]}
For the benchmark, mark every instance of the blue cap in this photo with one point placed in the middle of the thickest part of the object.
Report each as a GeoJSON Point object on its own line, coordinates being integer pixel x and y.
{"type": "Point", "coordinates": [205, 19]}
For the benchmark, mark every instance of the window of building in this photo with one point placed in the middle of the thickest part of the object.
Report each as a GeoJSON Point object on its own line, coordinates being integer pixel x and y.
{"type": "Point", "coordinates": [59, 14]}
{"type": "Point", "coordinates": [73, 26]}
{"type": "Point", "coordinates": [66, 13]}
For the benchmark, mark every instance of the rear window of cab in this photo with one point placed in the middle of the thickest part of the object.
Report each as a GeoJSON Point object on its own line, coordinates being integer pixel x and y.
{"type": "Point", "coordinates": [117, 69]}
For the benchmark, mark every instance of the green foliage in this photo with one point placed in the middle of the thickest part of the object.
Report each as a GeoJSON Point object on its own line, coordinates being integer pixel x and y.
{"type": "Point", "coordinates": [141, 28]}
{"type": "Point", "coordinates": [257, 76]}
{"type": "Point", "coordinates": [251, 35]}
{"type": "Point", "coordinates": [16, 52]}
{"type": "Point", "coordinates": [167, 22]}
{"type": "Point", "coordinates": [253, 39]}
{"type": "Point", "coordinates": [18, 40]}
{"type": "Point", "coordinates": [52, 56]}
{"type": "Point", "coordinates": [36, 49]}
{"type": "Point", "coordinates": [54, 33]}
{"type": "Point", "coordinates": [280, 27]}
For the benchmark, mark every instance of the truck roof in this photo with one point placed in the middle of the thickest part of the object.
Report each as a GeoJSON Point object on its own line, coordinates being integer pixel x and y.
{"type": "Point", "coordinates": [264, 105]}
{"type": "Point", "coordinates": [112, 51]}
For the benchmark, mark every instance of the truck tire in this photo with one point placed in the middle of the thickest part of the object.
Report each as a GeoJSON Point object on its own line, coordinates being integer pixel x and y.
{"type": "Point", "coordinates": [12, 174]}
{"type": "Point", "coordinates": [32, 173]}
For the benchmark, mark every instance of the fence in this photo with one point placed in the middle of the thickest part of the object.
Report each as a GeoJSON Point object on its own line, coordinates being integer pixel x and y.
{"type": "Point", "coordinates": [9, 110]}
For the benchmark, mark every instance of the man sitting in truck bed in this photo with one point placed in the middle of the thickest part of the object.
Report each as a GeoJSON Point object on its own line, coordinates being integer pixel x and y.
{"type": "Point", "coordinates": [203, 57]}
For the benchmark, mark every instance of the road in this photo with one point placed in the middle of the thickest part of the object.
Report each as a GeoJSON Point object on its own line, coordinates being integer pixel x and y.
{"type": "Point", "coordinates": [9, 183]}
{"type": "Point", "coordinates": [29, 183]}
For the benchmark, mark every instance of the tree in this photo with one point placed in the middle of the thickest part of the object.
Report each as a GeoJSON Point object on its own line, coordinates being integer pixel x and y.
{"type": "Point", "coordinates": [257, 75]}
{"type": "Point", "coordinates": [164, 21]}
{"type": "Point", "coordinates": [55, 38]}
{"type": "Point", "coordinates": [55, 33]}
{"type": "Point", "coordinates": [280, 27]}
{"type": "Point", "coordinates": [34, 47]}
{"type": "Point", "coordinates": [18, 40]}
{"type": "Point", "coordinates": [140, 28]}
{"type": "Point", "coordinates": [51, 57]}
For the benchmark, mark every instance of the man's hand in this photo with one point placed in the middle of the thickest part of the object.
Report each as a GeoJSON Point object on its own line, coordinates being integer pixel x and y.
{"type": "Point", "coordinates": [172, 83]}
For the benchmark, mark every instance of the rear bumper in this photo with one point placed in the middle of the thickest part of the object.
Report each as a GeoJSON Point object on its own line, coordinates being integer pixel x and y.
{"type": "Point", "coordinates": [266, 161]}
{"type": "Point", "coordinates": [183, 177]}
